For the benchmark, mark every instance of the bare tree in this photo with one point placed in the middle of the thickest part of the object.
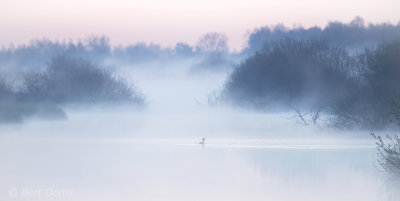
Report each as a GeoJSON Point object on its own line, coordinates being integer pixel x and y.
{"type": "Point", "coordinates": [213, 98]}
{"type": "Point", "coordinates": [315, 114]}
{"type": "Point", "coordinates": [301, 116]}
{"type": "Point", "coordinates": [389, 154]}
{"type": "Point", "coordinates": [213, 43]}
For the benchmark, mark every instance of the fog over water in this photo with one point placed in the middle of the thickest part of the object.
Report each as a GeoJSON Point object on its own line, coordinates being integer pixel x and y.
{"type": "Point", "coordinates": [153, 153]}
{"type": "Point", "coordinates": [288, 117]}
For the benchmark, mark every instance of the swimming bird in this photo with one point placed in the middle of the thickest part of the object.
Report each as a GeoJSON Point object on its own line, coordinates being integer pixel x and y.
{"type": "Point", "coordinates": [202, 141]}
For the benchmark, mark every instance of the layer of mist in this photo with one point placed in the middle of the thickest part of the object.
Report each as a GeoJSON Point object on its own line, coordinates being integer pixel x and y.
{"type": "Point", "coordinates": [286, 118]}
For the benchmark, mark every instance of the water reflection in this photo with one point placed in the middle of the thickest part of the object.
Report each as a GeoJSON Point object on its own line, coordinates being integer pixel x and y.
{"type": "Point", "coordinates": [157, 169]}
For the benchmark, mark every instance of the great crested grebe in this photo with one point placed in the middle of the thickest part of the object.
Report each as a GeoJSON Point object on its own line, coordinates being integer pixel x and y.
{"type": "Point", "coordinates": [202, 141]}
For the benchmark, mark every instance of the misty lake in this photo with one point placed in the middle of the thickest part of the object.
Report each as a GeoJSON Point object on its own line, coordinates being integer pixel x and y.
{"type": "Point", "coordinates": [84, 168]}
{"type": "Point", "coordinates": [122, 154]}
{"type": "Point", "coordinates": [151, 100]}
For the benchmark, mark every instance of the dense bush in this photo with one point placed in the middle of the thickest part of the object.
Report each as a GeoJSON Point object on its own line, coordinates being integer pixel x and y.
{"type": "Point", "coordinates": [66, 80]}
{"type": "Point", "coordinates": [5, 89]}
{"type": "Point", "coordinates": [14, 109]}
{"type": "Point", "coordinates": [353, 90]}
{"type": "Point", "coordinates": [389, 153]}
{"type": "Point", "coordinates": [369, 105]}
{"type": "Point", "coordinates": [389, 156]}
{"type": "Point", "coordinates": [289, 73]}
{"type": "Point", "coordinates": [71, 80]}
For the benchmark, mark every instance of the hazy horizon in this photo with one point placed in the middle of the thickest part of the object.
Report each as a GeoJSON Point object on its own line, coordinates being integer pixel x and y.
{"type": "Point", "coordinates": [199, 100]}
{"type": "Point", "coordinates": [167, 23]}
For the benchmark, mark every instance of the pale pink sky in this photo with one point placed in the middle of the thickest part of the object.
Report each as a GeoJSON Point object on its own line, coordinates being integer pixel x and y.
{"type": "Point", "coordinates": [168, 22]}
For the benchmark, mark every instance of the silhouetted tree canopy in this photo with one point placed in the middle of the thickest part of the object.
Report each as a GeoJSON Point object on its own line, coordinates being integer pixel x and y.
{"type": "Point", "coordinates": [214, 48]}
{"type": "Point", "coordinates": [354, 90]}
{"type": "Point", "coordinates": [66, 80]}
{"type": "Point", "coordinates": [353, 35]}
{"type": "Point", "coordinates": [69, 80]}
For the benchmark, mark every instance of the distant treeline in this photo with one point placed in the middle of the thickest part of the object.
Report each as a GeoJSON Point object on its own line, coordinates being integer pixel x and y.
{"type": "Point", "coordinates": [315, 77]}
{"type": "Point", "coordinates": [351, 36]}
{"type": "Point", "coordinates": [211, 51]}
